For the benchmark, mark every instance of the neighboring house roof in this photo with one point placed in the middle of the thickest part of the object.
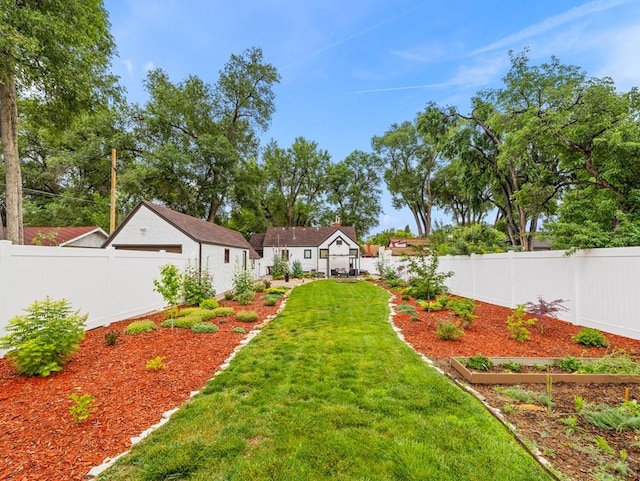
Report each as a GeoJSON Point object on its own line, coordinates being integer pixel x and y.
{"type": "Point", "coordinates": [406, 245]}
{"type": "Point", "coordinates": [199, 230]}
{"type": "Point", "coordinates": [304, 236]}
{"type": "Point", "coordinates": [257, 241]}
{"type": "Point", "coordinates": [59, 236]}
{"type": "Point", "coordinates": [371, 250]}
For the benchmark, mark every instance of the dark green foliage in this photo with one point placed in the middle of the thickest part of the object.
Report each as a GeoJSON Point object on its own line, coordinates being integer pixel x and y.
{"type": "Point", "coordinates": [570, 364]}
{"type": "Point", "coordinates": [479, 363]}
{"type": "Point", "coordinates": [590, 337]}
{"type": "Point", "coordinates": [42, 341]}
{"type": "Point", "coordinates": [296, 269]}
{"type": "Point", "coordinates": [512, 366]}
{"type": "Point", "coordinates": [204, 328]}
{"type": "Point", "coordinates": [197, 285]}
{"type": "Point", "coordinates": [111, 337]}
{"type": "Point", "coordinates": [245, 298]}
{"type": "Point", "coordinates": [269, 300]}
{"type": "Point", "coordinates": [406, 309]}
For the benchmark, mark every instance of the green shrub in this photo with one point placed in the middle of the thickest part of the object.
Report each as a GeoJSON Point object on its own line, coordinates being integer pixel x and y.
{"type": "Point", "coordinates": [590, 337]}
{"type": "Point", "coordinates": [479, 363]}
{"type": "Point", "coordinates": [239, 330]}
{"type": "Point", "coordinates": [138, 327]}
{"type": "Point", "coordinates": [406, 297]}
{"type": "Point", "coordinates": [211, 303]}
{"type": "Point", "coordinates": [185, 322]}
{"type": "Point", "coordinates": [197, 285]}
{"type": "Point", "coordinates": [223, 312]}
{"type": "Point", "coordinates": [443, 300]}
{"type": "Point", "coordinates": [247, 316]}
{"type": "Point", "coordinates": [245, 298]}
{"type": "Point", "coordinates": [186, 311]}
{"type": "Point", "coordinates": [426, 280]}
{"type": "Point", "coordinates": [406, 309]}
{"type": "Point", "coordinates": [228, 295]}
{"type": "Point", "coordinates": [259, 286]}
{"type": "Point", "coordinates": [42, 341]}
{"type": "Point", "coordinates": [296, 269]}
{"type": "Point", "coordinates": [269, 301]}
{"type": "Point", "coordinates": [111, 337]}
{"type": "Point", "coordinates": [517, 324]}
{"type": "Point", "coordinates": [461, 305]}
{"type": "Point", "coordinates": [448, 331]}
{"type": "Point", "coordinates": [431, 306]}
{"type": "Point", "coordinates": [512, 366]}
{"type": "Point", "coordinates": [82, 406]}
{"type": "Point", "coordinates": [204, 328]}
{"type": "Point", "coordinates": [570, 364]}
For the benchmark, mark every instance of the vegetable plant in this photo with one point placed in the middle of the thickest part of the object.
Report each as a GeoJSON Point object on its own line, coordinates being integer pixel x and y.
{"type": "Point", "coordinates": [42, 341]}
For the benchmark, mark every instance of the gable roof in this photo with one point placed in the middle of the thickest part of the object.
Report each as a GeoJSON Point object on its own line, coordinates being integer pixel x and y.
{"type": "Point", "coordinates": [58, 236]}
{"type": "Point", "coordinates": [304, 236]}
{"type": "Point", "coordinates": [197, 229]}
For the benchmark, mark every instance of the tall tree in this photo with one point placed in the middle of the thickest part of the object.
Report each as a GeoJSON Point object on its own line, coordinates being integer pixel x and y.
{"type": "Point", "coordinates": [412, 153]}
{"type": "Point", "coordinates": [58, 51]}
{"type": "Point", "coordinates": [196, 135]}
{"type": "Point", "coordinates": [353, 191]}
{"type": "Point", "coordinates": [296, 185]}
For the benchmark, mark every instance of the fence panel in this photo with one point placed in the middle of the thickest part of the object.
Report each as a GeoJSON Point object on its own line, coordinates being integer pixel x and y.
{"type": "Point", "coordinates": [109, 285]}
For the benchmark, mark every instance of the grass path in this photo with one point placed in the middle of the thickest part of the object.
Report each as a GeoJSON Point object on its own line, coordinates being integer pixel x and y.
{"type": "Point", "coordinates": [328, 391]}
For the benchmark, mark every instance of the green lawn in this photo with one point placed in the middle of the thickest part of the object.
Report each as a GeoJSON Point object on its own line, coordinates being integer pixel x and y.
{"type": "Point", "coordinates": [328, 391]}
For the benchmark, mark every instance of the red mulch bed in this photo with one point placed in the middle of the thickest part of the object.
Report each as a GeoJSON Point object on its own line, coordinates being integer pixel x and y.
{"type": "Point", "coordinates": [40, 441]}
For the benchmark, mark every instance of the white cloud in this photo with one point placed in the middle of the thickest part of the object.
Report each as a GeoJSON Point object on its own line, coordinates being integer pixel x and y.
{"type": "Point", "coordinates": [128, 65]}
{"type": "Point", "coordinates": [551, 23]}
{"type": "Point", "coordinates": [421, 53]}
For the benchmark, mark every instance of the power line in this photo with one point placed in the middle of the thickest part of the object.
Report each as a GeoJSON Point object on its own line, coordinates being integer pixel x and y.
{"type": "Point", "coordinates": [61, 196]}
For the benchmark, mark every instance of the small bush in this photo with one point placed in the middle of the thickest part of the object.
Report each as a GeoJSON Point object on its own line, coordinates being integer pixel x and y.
{"type": "Point", "coordinates": [138, 327]}
{"type": "Point", "coordinates": [204, 328]}
{"type": "Point", "coordinates": [512, 366]}
{"type": "Point", "coordinates": [277, 290]}
{"type": "Point", "coordinates": [570, 364]}
{"type": "Point", "coordinates": [223, 312]}
{"type": "Point", "coordinates": [448, 331]}
{"type": "Point", "coordinates": [590, 337]}
{"type": "Point", "coordinates": [82, 406]}
{"type": "Point", "coordinates": [239, 330]}
{"type": "Point", "coordinates": [111, 337]}
{"type": "Point", "coordinates": [228, 295]}
{"type": "Point", "coordinates": [479, 363]}
{"type": "Point", "coordinates": [517, 324]}
{"type": "Point", "coordinates": [247, 316]}
{"type": "Point", "coordinates": [245, 298]}
{"type": "Point", "coordinates": [186, 311]}
{"type": "Point", "coordinates": [186, 322]}
{"type": "Point", "coordinates": [197, 285]}
{"type": "Point", "coordinates": [211, 303]}
{"type": "Point", "coordinates": [259, 286]}
{"type": "Point", "coordinates": [156, 364]}
{"type": "Point", "coordinates": [269, 301]}
{"type": "Point", "coordinates": [42, 341]}
{"type": "Point", "coordinates": [431, 306]}
{"type": "Point", "coordinates": [296, 269]}
{"type": "Point", "coordinates": [406, 309]}
{"type": "Point", "coordinates": [443, 300]}
{"type": "Point", "coordinates": [459, 306]}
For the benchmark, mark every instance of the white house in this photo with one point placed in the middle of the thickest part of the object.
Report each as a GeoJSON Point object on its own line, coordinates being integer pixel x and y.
{"type": "Point", "coordinates": [327, 251]}
{"type": "Point", "coordinates": [151, 227]}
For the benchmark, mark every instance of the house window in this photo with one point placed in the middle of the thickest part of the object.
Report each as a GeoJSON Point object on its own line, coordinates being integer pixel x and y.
{"type": "Point", "coordinates": [226, 256]}
{"type": "Point", "coordinates": [307, 253]}
{"type": "Point", "coordinates": [324, 253]}
{"type": "Point", "coordinates": [285, 254]}
{"type": "Point", "coordinates": [353, 252]}
{"type": "Point", "coordinates": [339, 242]}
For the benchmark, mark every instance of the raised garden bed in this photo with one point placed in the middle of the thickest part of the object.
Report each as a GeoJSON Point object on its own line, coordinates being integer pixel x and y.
{"type": "Point", "coordinates": [492, 377]}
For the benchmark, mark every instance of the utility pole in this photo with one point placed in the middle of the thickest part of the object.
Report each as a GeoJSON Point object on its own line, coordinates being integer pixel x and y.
{"type": "Point", "coordinates": [112, 223]}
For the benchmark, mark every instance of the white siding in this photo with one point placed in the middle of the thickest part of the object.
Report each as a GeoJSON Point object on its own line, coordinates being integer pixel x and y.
{"type": "Point", "coordinates": [95, 239]}
{"type": "Point", "coordinates": [214, 257]}
{"type": "Point", "coordinates": [147, 227]}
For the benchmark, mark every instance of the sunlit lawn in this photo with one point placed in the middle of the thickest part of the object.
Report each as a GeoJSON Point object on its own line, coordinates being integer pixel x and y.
{"type": "Point", "coordinates": [328, 391]}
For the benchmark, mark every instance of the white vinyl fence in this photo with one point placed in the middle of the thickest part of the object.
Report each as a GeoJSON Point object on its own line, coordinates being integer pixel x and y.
{"type": "Point", "coordinates": [108, 284]}
{"type": "Point", "coordinates": [601, 286]}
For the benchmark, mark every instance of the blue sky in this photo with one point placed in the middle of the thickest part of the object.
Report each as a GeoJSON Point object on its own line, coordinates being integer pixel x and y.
{"type": "Point", "coordinates": [352, 68]}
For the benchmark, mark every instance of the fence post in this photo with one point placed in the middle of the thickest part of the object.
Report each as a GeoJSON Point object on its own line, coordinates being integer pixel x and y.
{"type": "Point", "coordinates": [512, 279]}
{"type": "Point", "coordinates": [5, 275]}
{"type": "Point", "coordinates": [576, 259]}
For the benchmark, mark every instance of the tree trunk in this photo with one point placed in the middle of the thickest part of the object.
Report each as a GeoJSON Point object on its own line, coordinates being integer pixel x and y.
{"type": "Point", "coordinates": [9, 128]}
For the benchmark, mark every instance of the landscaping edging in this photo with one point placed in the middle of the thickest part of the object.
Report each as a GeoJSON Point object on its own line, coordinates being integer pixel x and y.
{"type": "Point", "coordinates": [476, 377]}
